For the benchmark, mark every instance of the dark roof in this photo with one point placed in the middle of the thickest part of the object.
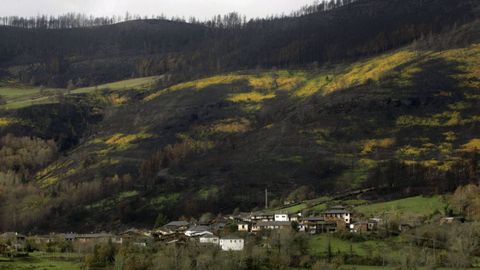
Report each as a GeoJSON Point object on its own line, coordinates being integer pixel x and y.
{"type": "Point", "coordinates": [231, 238]}
{"type": "Point", "coordinates": [312, 219]}
{"type": "Point", "coordinates": [337, 211]}
{"type": "Point", "coordinates": [70, 235]}
{"type": "Point", "coordinates": [95, 235]}
{"type": "Point", "coordinates": [178, 223]}
{"type": "Point", "coordinates": [209, 236]}
{"type": "Point", "coordinates": [199, 228]}
{"type": "Point", "coordinates": [261, 213]}
{"type": "Point", "coordinates": [273, 223]}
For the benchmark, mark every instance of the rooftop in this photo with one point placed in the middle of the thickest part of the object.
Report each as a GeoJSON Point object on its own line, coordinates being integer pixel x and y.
{"type": "Point", "coordinates": [273, 223]}
{"type": "Point", "coordinates": [231, 238]}
{"type": "Point", "coordinates": [337, 211]}
{"type": "Point", "coordinates": [94, 235]}
{"type": "Point", "coordinates": [200, 228]}
{"type": "Point", "coordinates": [209, 236]}
{"type": "Point", "coordinates": [313, 219]}
{"type": "Point", "coordinates": [178, 223]}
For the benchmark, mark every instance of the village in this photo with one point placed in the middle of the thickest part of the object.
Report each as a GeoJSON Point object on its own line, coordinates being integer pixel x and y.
{"type": "Point", "coordinates": [337, 218]}
{"type": "Point", "coordinates": [335, 229]}
{"type": "Point", "coordinates": [228, 233]}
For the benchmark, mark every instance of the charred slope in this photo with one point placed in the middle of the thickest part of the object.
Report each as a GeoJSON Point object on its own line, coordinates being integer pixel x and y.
{"type": "Point", "coordinates": [143, 48]}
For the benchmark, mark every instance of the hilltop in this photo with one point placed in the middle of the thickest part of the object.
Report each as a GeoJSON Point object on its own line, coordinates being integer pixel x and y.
{"type": "Point", "coordinates": [338, 31]}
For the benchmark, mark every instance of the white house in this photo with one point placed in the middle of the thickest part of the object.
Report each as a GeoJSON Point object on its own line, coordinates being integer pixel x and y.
{"type": "Point", "coordinates": [209, 239]}
{"type": "Point", "coordinates": [281, 217]}
{"type": "Point", "coordinates": [232, 244]}
{"type": "Point", "coordinates": [260, 216]}
{"type": "Point", "coordinates": [243, 227]}
{"type": "Point", "coordinates": [271, 225]}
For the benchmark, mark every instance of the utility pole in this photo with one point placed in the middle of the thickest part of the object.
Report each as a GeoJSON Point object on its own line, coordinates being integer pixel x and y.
{"type": "Point", "coordinates": [266, 198]}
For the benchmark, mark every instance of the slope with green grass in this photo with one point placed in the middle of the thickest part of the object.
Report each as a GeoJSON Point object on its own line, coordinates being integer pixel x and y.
{"type": "Point", "coordinates": [424, 206]}
{"type": "Point", "coordinates": [41, 261]}
{"type": "Point", "coordinates": [17, 95]}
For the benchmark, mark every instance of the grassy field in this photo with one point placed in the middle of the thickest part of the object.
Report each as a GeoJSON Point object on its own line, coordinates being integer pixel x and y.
{"type": "Point", "coordinates": [131, 84]}
{"type": "Point", "coordinates": [419, 205]}
{"type": "Point", "coordinates": [316, 204]}
{"type": "Point", "coordinates": [42, 261]}
{"type": "Point", "coordinates": [19, 95]}
{"type": "Point", "coordinates": [319, 245]}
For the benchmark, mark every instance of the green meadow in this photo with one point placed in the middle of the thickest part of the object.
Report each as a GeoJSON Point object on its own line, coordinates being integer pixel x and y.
{"type": "Point", "coordinates": [43, 261]}
{"type": "Point", "coordinates": [419, 205]}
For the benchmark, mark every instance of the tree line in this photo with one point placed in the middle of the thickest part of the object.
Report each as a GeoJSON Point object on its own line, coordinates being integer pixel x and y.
{"type": "Point", "coordinates": [78, 20]}
{"type": "Point", "coordinates": [319, 33]}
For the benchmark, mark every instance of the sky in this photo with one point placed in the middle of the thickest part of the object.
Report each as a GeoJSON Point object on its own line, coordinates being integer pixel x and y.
{"type": "Point", "coordinates": [202, 9]}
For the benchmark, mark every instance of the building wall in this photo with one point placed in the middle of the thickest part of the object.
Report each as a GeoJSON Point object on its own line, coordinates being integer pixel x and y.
{"type": "Point", "coordinates": [209, 240]}
{"type": "Point", "coordinates": [281, 217]}
{"type": "Point", "coordinates": [231, 244]}
{"type": "Point", "coordinates": [243, 227]}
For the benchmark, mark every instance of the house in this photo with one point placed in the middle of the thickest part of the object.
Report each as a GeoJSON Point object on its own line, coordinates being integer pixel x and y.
{"type": "Point", "coordinates": [69, 237]}
{"type": "Point", "coordinates": [337, 213]}
{"type": "Point", "coordinates": [260, 216]}
{"type": "Point", "coordinates": [374, 223]}
{"type": "Point", "coordinates": [232, 244]}
{"type": "Point", "coordinates": [198, 230]}
{"type": "Point", "coordinates": [178, 225]}
{"type": "Point", "coordinates": [271, 225]}
{"type": "Point", "coordinates": [359, 227]}
{"type": "Point", "coordinates": [451, 220]}
{"type": "Point", "coordinates": [142, 241]}
{"type": "Point", "coordinates": [173, 227]}
{"type": "Point", "coordinates": [14, 240]}
{"type": "Point", "coordinates": [316, 225]}
{"type": "Point", "coordinates": [218, 226]}
{"type": "Point", "coordinates": [209, 239]}
{"type": "Point", "coordinates": [241, 217]}
{"type": "Point", "coordinates": [94, 237]}
{"type": "Point", "coordinates": [243, 227]}
{"type": "Point", "coordinates": [13, 236]}
{"type": "Point", "coordinates": [137, 237]}
{"type": "Point", "coordinates": [376, 220]}
{"type": "Point", "coordinates": [288, 202]}
{"type": "Point", "coordinates": [281, 217]}
{"type": "Point", "coordinates": [44, 239]}
{"type": "Point", "coordinates": [295, 217]}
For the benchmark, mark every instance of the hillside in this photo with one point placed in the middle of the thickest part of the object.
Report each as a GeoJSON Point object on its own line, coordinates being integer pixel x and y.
{"type": "Point", "coordinates": [405, 121]}
{"type": "Point", "coordinates": [106, 137]}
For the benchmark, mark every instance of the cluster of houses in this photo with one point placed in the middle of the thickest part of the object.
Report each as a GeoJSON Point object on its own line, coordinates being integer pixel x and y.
{"type": "Point", "coordinates": [205, 234]}
{"type": "Point", "coordinates": [337, 218]}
